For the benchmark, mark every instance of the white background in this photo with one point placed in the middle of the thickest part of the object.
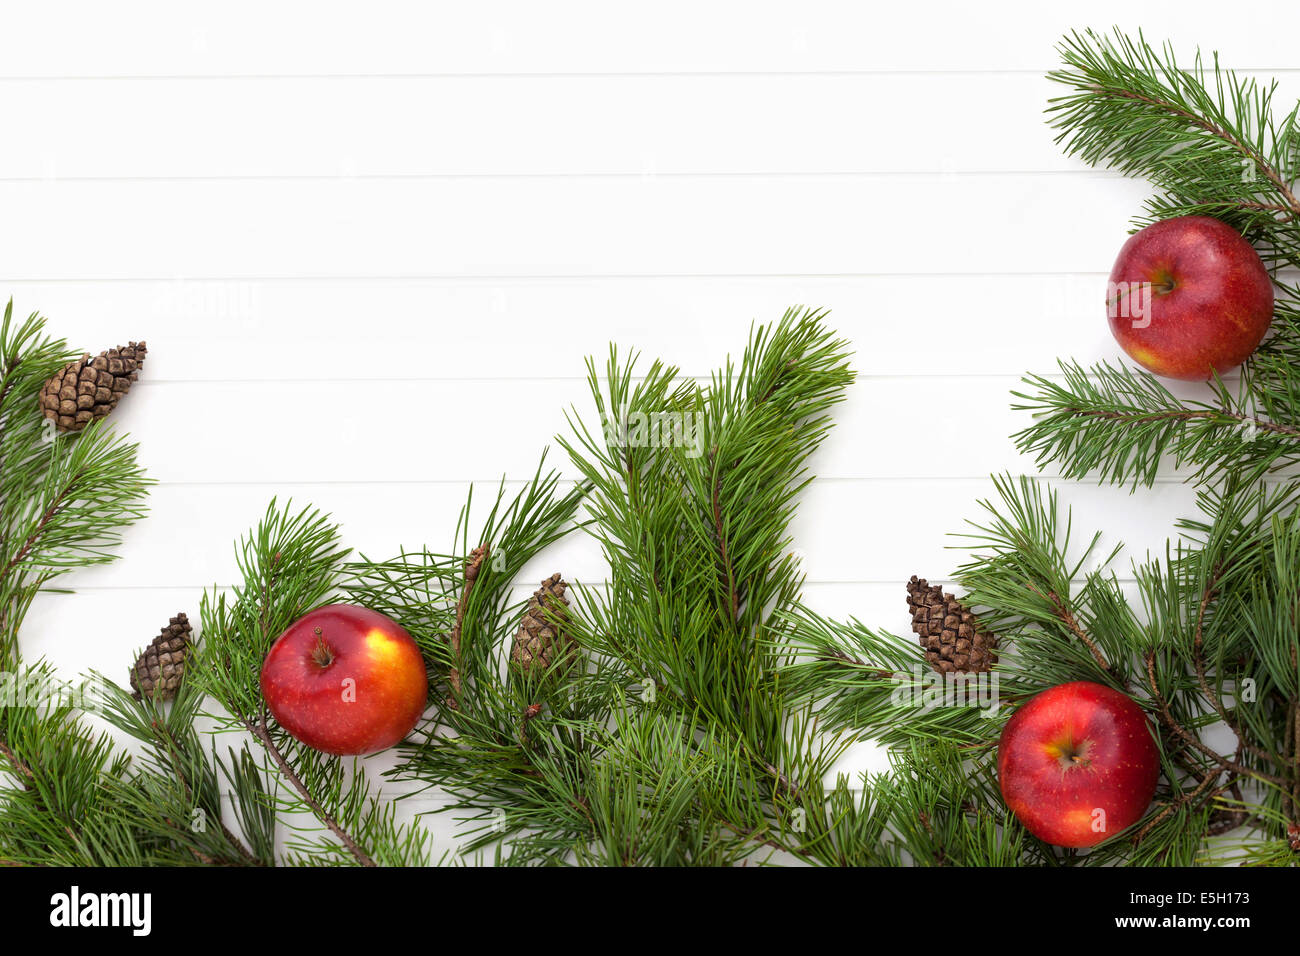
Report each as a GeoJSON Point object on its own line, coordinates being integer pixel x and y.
{"type": "Point", "coordinates": [370, 244]}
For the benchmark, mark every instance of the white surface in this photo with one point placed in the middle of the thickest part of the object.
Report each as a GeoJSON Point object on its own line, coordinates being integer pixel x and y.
{"type": "Point", "coordinates": [370, 244]}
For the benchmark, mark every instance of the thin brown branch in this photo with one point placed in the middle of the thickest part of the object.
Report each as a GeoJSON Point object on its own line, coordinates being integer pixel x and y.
{"type": "Point", "coordinates": [1292, 746]}
{"type": "Point", "coordinates": [580, 804]}
{"type": "Point", "coordinates": [1295, 757]}
{"type": "Point", "coordinates": [940, 858]}
{"type": "Point", "coordinates": [782, 781]}
{"type": "Point", "coordinates": [1181, 801]}
{"type": "Point", "coordinates": [1066, 616]}
{"type": "Point", "coordinates": [756, 835]}
{"type": "Point", "coordinates": [1167, 717]}
{"type": "Point", "coordinates": [264, 614]}
{"type": "Point", "coordinates": [20, 768]}
{"type": "Point", "coordinates": [1202, 675]}
{"type": "Point", "coordinates": [829, 654]}
{"type": "Point", "coordinates": [1247, 204]}
{"type": "Point", "coordinates": [1184, 415]}
{"type": "Point", "coordinates": [473, 565]}
{"type": "Point", "coordinates": [263, 733]}
{"type": "Point", "coordinates": [49, 514]}
{"type": "Point", "coordinates": [1200, 122]}
{"type": "Point", "coordinates": [777, 382]}
{"type": "Point", "coordinates": [530, 713]}
{"type": "Point", "coordinates": [173, 755]}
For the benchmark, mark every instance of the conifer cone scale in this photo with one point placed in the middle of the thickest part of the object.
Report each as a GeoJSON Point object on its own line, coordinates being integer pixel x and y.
{"type": "Point", "coordinates": [159, 670]}
{"type": "Point", "coordinates": [90, 388]}
{"type": "Point", "coordinates": [949, 633]}
{"type": "Point", "coordinates": [542, 639]}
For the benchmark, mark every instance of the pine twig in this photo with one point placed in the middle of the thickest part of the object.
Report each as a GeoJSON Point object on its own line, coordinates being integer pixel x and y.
{"type": "Point", "coordinates": [262, 732]}
{"type": "Point", "coordinates": [1202, 675]}
{"type": "Point", "coordinates": [1185, 415]}
{"type": "Point", "coordinates": [51, 512]}
{"type": "Point", "coordinates": [1166, 715]}
{"type": "Point", "coordinates": [473, 565]}
{"type": "Point", "coordinates": [1294, 726]}
{"type": "Point", "coordinates": [1066, 616]}
{"type": "Point", "coordinates": [782, 781]}
{"type": "Point", "coordinates": [835, 655]}
{"type": "Point", "coordinates": [1226, 820]}
{"type": "Point", "coordinates": [169, 742]}
{"type": "Point", "coordinates": [1217, 131]}
{"type": "Point", "coordinates": [1181, 801]}
{"type": "Point", "coordinates": [20, 768]}
{"type": "Point", "coordinates": [757, 835]}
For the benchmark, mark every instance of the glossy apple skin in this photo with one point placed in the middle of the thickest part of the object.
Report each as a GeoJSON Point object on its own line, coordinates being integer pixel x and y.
{"type": "Point", "coordinates": [1114, 768]}
{"type": "Point", "coordinates": [1210, 304]}
{"type": "Point", "coordinates": [306, 673]}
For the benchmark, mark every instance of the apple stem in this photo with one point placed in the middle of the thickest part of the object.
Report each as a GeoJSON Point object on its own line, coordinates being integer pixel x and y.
{"type": "Point", "coordinates": [322, 655]}
{"type": "Point", "coordinates": [1074, 754]}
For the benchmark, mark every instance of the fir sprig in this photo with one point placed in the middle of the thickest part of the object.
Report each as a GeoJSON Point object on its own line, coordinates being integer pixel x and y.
{"type": "Point", "coordinates": [1209, 139]}
{"type": "Point", "coordinates": [694, 527]}
{"type": "Point", "coordinates": [64, 499]}
{"type": "Point", "coordinates": [68, 793]}
{"type": "Point", "coordinates": [1125, 427]}
{"type": "Point", "coordinates": [76, 797]}
{"type": "Point", "coordinates": [1217, 643]}
{"type": "Point", "coordinates": [1205, 643]}
{"type": "Point", "coordinates": [674, 742]}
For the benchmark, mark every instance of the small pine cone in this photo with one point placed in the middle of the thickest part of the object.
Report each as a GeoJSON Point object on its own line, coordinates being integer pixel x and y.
{"type": "Point", "coordinates": [542, 639]}
{"type": "Point", "coordinates": [159, 670]}
{"type": "Point", "coordinates": [90, 388]}
{"type": "Point", "coordinates": [949, 633]}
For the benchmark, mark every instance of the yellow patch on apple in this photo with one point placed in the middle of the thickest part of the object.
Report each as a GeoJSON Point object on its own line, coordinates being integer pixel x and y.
{"type": "Point", "coordinates": [385, 648]}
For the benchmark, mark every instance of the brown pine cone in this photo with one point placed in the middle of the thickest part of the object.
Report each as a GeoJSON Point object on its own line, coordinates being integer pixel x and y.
{"type": "Point", "coordinates": [542, 639]}
{"type": "Point", "coordinates": [88, 388]}
{"type": "Point", "coordinates": [949, 633]}
{"type": "Point", "coordinates": [159, 670]}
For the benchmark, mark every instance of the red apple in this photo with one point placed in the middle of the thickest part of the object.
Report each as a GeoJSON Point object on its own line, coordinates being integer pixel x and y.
{"type": "Point", "coordinates": [1189, 296]}
{"type": "Point", "coordinates": [1078, 763]}
{"type": "Point", "coordinates": [345, 680]}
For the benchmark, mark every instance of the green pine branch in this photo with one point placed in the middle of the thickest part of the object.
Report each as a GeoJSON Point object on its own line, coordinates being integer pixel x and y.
{"type": "Point", "coordinates": [74, 796]}
{"type": "Point", "coordinates": [1209, 139]}
{"type": "Point", "coordinates": [673, 740]}
{"type": "Point", "coordinates": [69, 794]}
{"type": "Point", "coordinates": [1124, 427]}
{"type": "Point", "coordinates": [869, 684]}
{"type": "Point", "coordinates": [64, 499]}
